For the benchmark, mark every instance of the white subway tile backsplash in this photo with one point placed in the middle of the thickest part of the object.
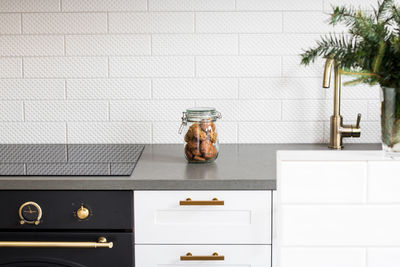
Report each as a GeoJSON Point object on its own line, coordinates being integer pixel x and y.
{"type": "Point", "coordinates": [281, 132]}
{"type": "Point", "coordinates": [103, 5]}
{"type": "Point", "coordinates": [64, 23]}
{"type": "Point", "coordinates": [281, 88]}
{"type": "Point", "coordinates": [178, 66]}
{"type": "Point", "coordinates": [26, 89]}
{"type": "Point", "coordinates": [10, 67]}
{"type": "Point", "coordinates": [65, 67]}
{"type": "Point", "coordinates": [154, 22]}
{"type": "Point", "coordinates": [23, 45]}
{"type": "Point", "coordinates": [282, 5]}
{"type": "Point", "coordinates": [363, 4]}
{"type": "Point", "coordinates": [309, 22]}
{"type": "Point", "coordinates": [108, 89]}
{"type": "Point", "coordinates": [114, 45]}
{"type": "Point", "coordinates": [11, 111]}
{"type": "Point", "coordinates": [195, 44]}
{"type": "Point", "coordinates": [209, 88]}
{"type": "Point", "coordinates": [78, 64]}
{"type": "Point", "coordinates": [275, 44]}
{"type": "Point", "coordinates": [29, 5]}
{"type": "Point", "coordinates": [66, 111]}
{"type": "Point", "coordinates": [10, 23]}
{"type": "Point", "coordinates": [148, 110]}
{"type": "Point", "coordinates": [326, 257]}
{"type": "Point", "coordinates": [238, 66]}
{"type": "Point", "coordinates": [238, 22]}
{"type": "Point", "coordinates": [109, 132]}
{"type": "Point", "coordinates": [191, 5]}
{"type": "Point", "coordinates": [32, 132]}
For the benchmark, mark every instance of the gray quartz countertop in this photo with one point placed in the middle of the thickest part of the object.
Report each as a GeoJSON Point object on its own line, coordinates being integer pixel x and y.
{"type": "Point", "coordinates": [163, 167]}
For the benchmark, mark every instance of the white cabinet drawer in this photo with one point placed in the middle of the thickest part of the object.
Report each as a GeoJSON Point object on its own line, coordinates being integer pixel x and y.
{"type": "Point", "coordinates": [244, 217]}
{"type": "Point", "coordinates": [234, 255]}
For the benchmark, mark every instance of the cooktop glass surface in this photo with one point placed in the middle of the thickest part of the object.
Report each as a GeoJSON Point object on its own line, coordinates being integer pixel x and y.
{"type": "Point", "coordinates": [69, 160]}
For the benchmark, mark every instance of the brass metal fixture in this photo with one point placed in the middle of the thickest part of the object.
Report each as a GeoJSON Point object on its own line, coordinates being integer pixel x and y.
{"type": "Point", "coordinates": [82, 213]}
{"type": "Point", "coordinates": [101, 243]}
{"type": "Point", "coordinates": [337, 129]}
{"type": "Point", "coordinates": [190, 202]}
{"type": "Point", "coordinates": [30, 213]}
{"type": "Point", "coordinates": [213, 257]}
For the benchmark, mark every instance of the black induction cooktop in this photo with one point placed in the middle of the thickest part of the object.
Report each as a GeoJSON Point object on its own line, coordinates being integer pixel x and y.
{"type": "Point", "coordinates": [69, 159]}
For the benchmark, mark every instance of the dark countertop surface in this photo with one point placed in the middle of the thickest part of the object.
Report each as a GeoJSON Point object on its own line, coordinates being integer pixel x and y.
{"type": "Point", "coordinates": [163, 167]}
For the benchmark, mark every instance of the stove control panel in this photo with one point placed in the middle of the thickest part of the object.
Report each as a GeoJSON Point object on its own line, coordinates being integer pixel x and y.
{"type": "Point", "coordinates": [82, 213]}
{"type": "Point", "coordinates": [30, 212]}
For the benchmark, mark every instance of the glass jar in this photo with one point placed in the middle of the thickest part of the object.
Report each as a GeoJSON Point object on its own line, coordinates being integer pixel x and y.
{"type": "Point", "coordinates": [390, 121]}
{"type": "Point", "coordinates": [201, 135]}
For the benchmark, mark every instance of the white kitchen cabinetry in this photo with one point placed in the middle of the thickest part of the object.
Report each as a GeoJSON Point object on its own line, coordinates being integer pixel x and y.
{"type": "Point", "coordinates": [337, 209]}
{"type": "Point", "coordinates": [234, 224]}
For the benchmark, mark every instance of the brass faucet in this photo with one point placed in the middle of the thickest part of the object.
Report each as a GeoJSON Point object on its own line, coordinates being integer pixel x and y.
{"type": "Point", "coordinates": [337, 129]}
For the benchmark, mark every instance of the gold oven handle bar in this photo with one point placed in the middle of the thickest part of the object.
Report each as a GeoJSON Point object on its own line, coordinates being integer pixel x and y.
{"type": "Point", "coordinates": [190, 202]}
{"type": "Point", "coordinates": [213, 257]}
{"type": "Point", "coordinates": [101, 243]}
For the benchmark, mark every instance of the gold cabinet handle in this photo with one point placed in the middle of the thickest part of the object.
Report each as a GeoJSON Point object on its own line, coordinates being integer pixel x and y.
{"type": "Point", "coordinates": [213, 257]}
{"type": "Point", "coordinates": [190, 202]}
{"type": "Point", "coordinates": [101, 243]}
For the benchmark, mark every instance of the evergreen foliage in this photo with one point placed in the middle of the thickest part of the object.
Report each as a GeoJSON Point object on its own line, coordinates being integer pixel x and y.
{"type": "Point", "coordinates": [370, 50]}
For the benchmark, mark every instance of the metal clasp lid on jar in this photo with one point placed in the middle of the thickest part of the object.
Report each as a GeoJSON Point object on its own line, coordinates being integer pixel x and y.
{"type": "Point", "coordinates": [199, 114]}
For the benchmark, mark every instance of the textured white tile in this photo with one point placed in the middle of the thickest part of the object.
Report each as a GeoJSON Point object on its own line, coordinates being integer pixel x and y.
{"type": "Point", "coordinates": [238, 22]}
{"type": "Point", "coordinates": [108, 89]}
{"type": "Point", "coordinates": [242, 66]}
{"type": "Point", "coordinates": [195, 44]}
{"type": "Point", "coordinates": [31, 45]}
{"type": "Point", "coordinates": [108, 45]}
{"type": "Point", "coordinates": [281, 88]}
{"type": "Point", "coordinates": [31, 89]}
{"type": "Point", "coordinates": [10, 23]}
{"type": "Point", "coordinates": [340, 225]}
{"type": "Point", "coordinates": [326, 257]}
{"type": "Point", "coordinates": [276, 44]}
{"type": "Point", "coordinates": [148, 110]}
{"type": "Point", "coordinates": [151, 66]}
{"type": "Point", "coordinates": [359, 4]}
{"type": "Point", "coordinates": [358, 91]}
{"type": "Point", "coordinates": [350, 109]}
{"type": "Point", "coordinates": [109, 132]}
{"type": "Point", "coordinates": [304, 110]}
{"type": "Point", "coordinates": [246, 110]}
{"type": "Point", "coordinates": [191, 5]}
{"type": "Point", "coordinates": [227, 132]}
{"type": "Point", "coordinates": [212, 88]}
{"type": "Point", "coordinates": [10, 67]}
{"type": "Point", "coordinates": [64, 23]}
{"type": "Point", "coordinates": [103, 5]}
{"type": "Point", "coordinates": [374, 110]}
{"type": "Point", "coordinates": [281, 132]}
{"type": "Point", "coordinates": [151, 22]}
{"type": "Point", "coordinates": [308, 22]}
{"type": "Point", "coordinates": [283, 5]}
{"type": "Point", "coordinates": [29, 5]}
{"type": "Point", "coordinates": [291, 68]}
{"type": "Point", "coordinates": [11, 111]}
{"type": "Point", "coordinates": [299, 183]}
{"type": "Point", "coordinates": [65, 67]}
{"type": "Point", "coordinates": [66, 111]}
{"type": "Point", "coordinates": [388, 257]}
{"type": "Point", "coordinates": [32, 132]}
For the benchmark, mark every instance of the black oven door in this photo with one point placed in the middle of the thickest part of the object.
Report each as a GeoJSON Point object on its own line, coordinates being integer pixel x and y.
{"type": "Point", "coordinates": [76, 249]}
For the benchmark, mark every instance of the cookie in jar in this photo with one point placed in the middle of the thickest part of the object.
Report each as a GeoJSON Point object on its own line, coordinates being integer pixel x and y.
{"type": "Point", "coordinates": [199, 126]}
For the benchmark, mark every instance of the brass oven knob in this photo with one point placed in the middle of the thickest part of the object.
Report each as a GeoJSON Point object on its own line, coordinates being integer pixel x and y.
{"type": "Point", "coordinates": [82, 213]}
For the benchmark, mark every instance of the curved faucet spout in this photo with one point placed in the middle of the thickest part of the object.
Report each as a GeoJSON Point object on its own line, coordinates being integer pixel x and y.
{"type": "Point", "coordinates": [327, 72]}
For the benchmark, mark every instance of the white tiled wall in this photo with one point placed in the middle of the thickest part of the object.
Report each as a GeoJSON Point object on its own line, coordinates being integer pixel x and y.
{"type": "Point", "coordinates": [124, 70]}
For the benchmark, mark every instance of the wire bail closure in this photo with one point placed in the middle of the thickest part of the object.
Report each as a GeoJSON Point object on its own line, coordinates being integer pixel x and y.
{"type": "Point", "coordinates": [184, 122]}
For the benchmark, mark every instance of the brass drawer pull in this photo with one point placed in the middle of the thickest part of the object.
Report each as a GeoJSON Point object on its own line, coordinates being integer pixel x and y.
{"type": "Point", "coordinates": [213, 257]}
{"type": "Point", "coordinates": [101, 243]}
{"type": "Point", "coordinates": [190, 202]}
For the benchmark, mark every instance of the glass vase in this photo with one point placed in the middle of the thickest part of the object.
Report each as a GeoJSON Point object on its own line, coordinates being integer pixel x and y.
{"type": "Point", "coordinates": [390, 121]}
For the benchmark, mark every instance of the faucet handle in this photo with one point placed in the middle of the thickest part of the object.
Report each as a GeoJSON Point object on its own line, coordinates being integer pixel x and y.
{"type": "Point", "coordinates": [358, 120]}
